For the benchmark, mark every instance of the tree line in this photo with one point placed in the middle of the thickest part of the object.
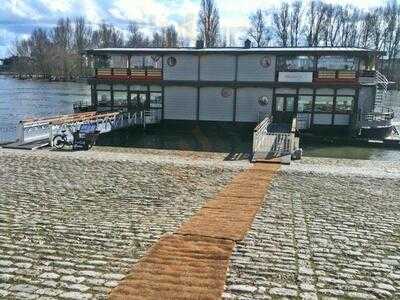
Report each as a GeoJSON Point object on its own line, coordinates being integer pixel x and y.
{"type": "Point", "coordinates": [316, 23]}
{"type": "Point", "coordinates": [57, 52]}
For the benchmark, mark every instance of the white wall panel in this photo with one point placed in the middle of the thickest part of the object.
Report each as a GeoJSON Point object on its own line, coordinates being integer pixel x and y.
{"type": "Point", "coordinates": [186, 67]}
{"type": "Point", "coordinates": [180, 103]}
{"type": "Point", "coordinates": [217, 67]}
{"type": "Point", "coordinates": [252, 68]}
{"type": "Point", "coordinates": [341, 119]}
{"type": "Point", "coordinates": [248, 107]}
{"type": "Point", "coordinates": [322, 119]}
{"type": "Point", "coordinates": [215, 107]}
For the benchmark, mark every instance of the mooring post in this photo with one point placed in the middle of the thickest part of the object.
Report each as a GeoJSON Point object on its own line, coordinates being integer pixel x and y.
{"type": "Point", "coordinates": [20, 132]}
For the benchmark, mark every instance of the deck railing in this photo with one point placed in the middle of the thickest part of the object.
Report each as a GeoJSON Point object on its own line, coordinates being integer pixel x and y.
{"type": "Point", "coordinates": [332, 75]}
{"type": "Point", "coordinates": [129, 74]}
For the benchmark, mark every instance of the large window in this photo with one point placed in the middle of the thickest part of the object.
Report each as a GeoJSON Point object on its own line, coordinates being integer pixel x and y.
{"type": "Point", "coordinates": [296, 63]}
{"type": "Point", "coordinates": [323, 104]}
{"type": "Point", "coordinates": [337, 63]}
{"type": "Point", "coordinates": [155, 100]}
{"type": "Point", "coordinates": [344, 104]}
{"type": "Point", "coordinates": [120, 99]}
{"type": "Point", "coordinates": [104, 98]}
{"type": "Point", "coordinates": [304, 103]}
{"type": "Point", "coordinates": [103, 61]}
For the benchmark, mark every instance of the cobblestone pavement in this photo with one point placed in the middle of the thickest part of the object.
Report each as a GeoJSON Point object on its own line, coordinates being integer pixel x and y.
{"type": "Point", "coordinates": [323, 234]}
{"type": "Point", "coordinates": [72, 224]}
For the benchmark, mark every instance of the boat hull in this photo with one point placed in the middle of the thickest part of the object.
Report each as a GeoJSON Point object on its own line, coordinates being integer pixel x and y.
{"type": "Point", "coordinates": [378, 133]}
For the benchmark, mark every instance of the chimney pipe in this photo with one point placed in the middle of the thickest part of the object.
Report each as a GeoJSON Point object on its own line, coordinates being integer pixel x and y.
{"type": "Point", "coordinates": [247, 44]}
{"type": "Point", "coordinates": [199, 44]}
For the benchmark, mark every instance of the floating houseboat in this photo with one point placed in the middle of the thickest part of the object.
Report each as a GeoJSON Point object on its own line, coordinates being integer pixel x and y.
{"type": "Point", "coordinates": [335, 90]}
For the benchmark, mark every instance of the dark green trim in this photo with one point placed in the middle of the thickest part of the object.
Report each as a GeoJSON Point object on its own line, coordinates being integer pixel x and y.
{"type": "Point", "coordinates": [231, 84]}
{"type": "Point", "coordinates": [357, 52]}
{"type": "Point", "coordinates": [198, 88]}
{"type": "Point", "coordinates": [234, 111]}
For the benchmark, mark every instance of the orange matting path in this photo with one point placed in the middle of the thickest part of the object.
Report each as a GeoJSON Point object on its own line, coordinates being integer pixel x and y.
{"type": "Point", "coordinates": [192, 263]}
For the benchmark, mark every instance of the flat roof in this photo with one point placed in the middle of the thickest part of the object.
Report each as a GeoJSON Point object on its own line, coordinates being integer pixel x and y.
{"type": "Point", "coordinates": [270, 50]}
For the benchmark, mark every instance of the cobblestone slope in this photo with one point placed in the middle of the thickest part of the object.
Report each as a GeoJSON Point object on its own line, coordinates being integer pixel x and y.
{"type": "Point", "coordinates": [322, 235]}
{"type": "Point", "coordinates": [71, 227]}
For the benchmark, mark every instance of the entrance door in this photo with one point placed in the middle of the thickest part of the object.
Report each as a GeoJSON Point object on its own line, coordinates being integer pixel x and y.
{"type": "Point", "coordinates": [284, 108]}
{"type": "Point", "coordinates": [139, 101]}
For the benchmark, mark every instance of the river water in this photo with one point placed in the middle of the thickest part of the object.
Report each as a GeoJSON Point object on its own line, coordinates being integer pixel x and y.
{"type": "Point", "coordinates": [25, 98]}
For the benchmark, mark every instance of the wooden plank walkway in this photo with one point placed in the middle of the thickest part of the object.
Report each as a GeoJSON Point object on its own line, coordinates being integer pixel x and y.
{"type": "Point", "coordinates": [192, 263]}
{"type": "Point", "coordinates": [27, 146]}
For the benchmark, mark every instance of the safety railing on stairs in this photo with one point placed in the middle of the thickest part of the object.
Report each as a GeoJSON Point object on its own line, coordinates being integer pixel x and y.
{"type": "Point", "coordinates": [269, 143]}
{"type": "Point", "coordinates": [382, 84]}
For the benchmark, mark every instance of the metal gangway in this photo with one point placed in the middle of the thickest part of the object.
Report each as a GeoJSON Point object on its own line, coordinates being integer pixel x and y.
{"type": "Point", "coordinates": [274, 142]}
{"type": "Point", "coordinates": [34, 133]}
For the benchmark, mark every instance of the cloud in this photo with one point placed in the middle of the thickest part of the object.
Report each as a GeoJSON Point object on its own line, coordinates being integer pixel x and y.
{"type": "Point", "coordinates": [20, 9]}
{"type": "Point", "coordinates": [61, 6]}
{"type": "Point", "coordinates": [19, 17]}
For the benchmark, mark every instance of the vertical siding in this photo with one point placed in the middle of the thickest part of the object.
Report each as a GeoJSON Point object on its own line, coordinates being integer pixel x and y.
{"type": "Point", "coordinates": [366, 99]}
{"type": "Point", "coordinates": [214, 107]}
{"type": "Point", "coordinates": [248, 108]}
{"type": "Point", "coordinates": [217, 67]}
{"type": "Point", "coordinates": [250, 68]}
{"type": "Point", "coordinates": [186, 67]}
{"type": "Point", "coordinates": [180, 103]}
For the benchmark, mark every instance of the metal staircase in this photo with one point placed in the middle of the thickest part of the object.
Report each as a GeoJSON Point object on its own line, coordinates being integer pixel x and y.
{"type": "Point", "coordinates": [381, 91]}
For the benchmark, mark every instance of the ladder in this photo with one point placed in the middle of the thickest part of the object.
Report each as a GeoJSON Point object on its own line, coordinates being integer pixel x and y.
{"type": "Point", "coordinates": [381, 91]}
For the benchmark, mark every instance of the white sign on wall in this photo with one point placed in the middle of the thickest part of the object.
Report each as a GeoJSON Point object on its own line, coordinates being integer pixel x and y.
{"type": "Point", "coordinates": [295, 77]}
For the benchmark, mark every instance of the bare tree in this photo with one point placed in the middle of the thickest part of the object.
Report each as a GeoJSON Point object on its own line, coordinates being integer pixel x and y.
{"type": "Point", "coordinates": [315, 19]}
{"type": "Point", "coordinates": [281, 24]}
{"type": "Point", "coordinates": [258, 32]}
{"type": "Point", "coordinates": [81, 40]}
{"type": "Point", "coordinates": [208, 23]}
{"type": "Point", "coordinates": [157, 40]}
{"type": "Point", "coordinates": [170, 37]}
{"type": "Point", "coordinates": [135, 36]}
{"type": "Point", "coordinates": [391, 34]}
{"type": "Point", "coordinates": [39, 44]}
{"type": "Point", "coordinates": [295, 20]}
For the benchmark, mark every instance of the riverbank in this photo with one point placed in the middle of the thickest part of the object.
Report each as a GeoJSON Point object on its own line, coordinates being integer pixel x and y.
{"type": "Point", "coordinates": [73, 223]}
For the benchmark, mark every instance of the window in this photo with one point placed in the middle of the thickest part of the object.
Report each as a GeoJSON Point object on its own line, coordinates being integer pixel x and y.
{"type": "Point", "coordinates": [104, 98]}
{"type": "Point", "coordinates": [344, 104]}
{"type": "Point", "coordinates": [119, 61]}
{"type": "Point", "coordinates": [105, 87]}
{"type": "Point", "coordinates": [305, 103]}
{"type": "Point", "coordinates": [280, 102]}
{"type": "Point", "coordinates": [103, 61]}
{"type": "Point", "coordinates": [119, 87]}
{"type": "Point", "coordinates": [323, 103]}
{"type": "Point", "coordinates": [296, 63]}
{"type": "Point", "coordinates": [138, 88]}
{"type": "Point", "coordinates": [120, 99]}
{"type": "Point", "coordinates": [337, 63]}
{"type": "Point", "coordinates": [155, 100]}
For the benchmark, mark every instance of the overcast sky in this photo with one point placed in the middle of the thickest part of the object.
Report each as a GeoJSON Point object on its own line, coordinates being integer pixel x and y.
{"type": "Point", "coordinates": [18, 17]}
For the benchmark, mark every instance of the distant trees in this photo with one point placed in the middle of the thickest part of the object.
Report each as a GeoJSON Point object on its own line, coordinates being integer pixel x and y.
{"type": "Point", "coordinates": [57, 52]}
{"type": "Point", "coordinates": [208, 23]}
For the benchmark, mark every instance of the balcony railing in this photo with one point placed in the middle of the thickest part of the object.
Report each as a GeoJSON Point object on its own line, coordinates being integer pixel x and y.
{"type": "Point", "coordinates": [129, 74]}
